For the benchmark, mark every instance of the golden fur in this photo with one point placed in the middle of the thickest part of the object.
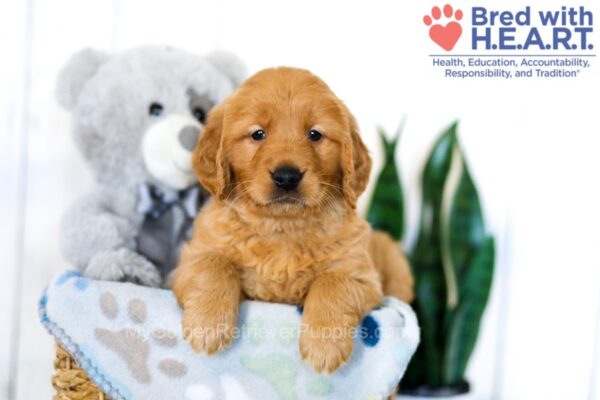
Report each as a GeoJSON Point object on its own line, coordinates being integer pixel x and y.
{"type": "Point", "coordinates": [308, 247]}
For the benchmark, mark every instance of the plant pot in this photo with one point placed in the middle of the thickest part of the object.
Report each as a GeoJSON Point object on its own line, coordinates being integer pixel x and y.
{"type": "Point", "coordinates": [458, 391]}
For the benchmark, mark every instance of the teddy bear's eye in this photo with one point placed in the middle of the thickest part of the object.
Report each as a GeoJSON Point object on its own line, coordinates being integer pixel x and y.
{"type": "Point", "coordinates": [199, 114]}
{"type": "Point", "coordinates": [155, 109]}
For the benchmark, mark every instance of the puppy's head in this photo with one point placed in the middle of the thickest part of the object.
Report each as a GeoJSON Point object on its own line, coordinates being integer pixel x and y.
{"type": "Point", "coordinates": [282, 144]}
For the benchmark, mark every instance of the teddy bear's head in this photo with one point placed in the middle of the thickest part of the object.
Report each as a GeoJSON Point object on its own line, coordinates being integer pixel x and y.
{"type": "Point", "coordinates": [139, 113]}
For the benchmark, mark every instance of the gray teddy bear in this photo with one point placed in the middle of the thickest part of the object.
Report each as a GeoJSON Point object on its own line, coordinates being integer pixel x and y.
{"type": "Point", "coordinates": [137, 117]}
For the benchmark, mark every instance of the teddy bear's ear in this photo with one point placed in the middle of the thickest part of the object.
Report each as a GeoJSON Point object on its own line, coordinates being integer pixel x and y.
{"type": "Point", "coordinates": [230, 65]}
{"type": "Point", "coordinates": [77, 71]}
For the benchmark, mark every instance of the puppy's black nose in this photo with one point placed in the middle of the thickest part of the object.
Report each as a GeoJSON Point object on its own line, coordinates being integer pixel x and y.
{"type": "Point", "coordinates": [287, 177]}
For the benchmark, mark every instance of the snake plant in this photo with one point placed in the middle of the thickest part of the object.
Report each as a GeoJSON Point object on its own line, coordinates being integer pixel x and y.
{"type": "Point", "coordinates": [452, 261]}
{"type": "Point", "coordinates": [386, 212]}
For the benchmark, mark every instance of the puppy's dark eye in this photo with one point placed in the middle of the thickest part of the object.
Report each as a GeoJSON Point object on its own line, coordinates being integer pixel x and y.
{"type": "Point", "coordinates": [155, 109]}
{"type": "Point", "coordinates": [199, 114]}
{"type": "Point", "coordinates": [259, 135]}
{"type": "Point", "coordinates": [314, 136]}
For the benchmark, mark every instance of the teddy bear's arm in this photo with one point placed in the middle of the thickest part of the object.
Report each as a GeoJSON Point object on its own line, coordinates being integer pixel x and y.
{"type": "Point", "coordinates": [102, 244]}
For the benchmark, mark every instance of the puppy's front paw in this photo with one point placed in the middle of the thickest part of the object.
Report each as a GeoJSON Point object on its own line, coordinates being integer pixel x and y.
{"type": "Point", "coordinates": [326, 347]}
{"type": "Point", "coordinates": [209, 327]}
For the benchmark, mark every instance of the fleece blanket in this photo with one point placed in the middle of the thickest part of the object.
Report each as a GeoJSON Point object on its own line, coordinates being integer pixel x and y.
{"type": "Point", "coordinates": [128, 339]}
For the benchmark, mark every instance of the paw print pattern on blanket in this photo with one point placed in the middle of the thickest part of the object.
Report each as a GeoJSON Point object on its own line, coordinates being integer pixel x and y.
{"type": "Point", "coordinates": [131, 345]}
{"type": "Point", "coordinates": [278, 367]}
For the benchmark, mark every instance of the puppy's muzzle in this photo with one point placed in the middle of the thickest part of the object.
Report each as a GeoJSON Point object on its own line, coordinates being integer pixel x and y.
{"type": "Point", "coordinates": [286, 178]}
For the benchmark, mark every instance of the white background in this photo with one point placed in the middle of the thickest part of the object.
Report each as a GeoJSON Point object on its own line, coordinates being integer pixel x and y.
{"type": "Point", "coordinates": [532, 146]}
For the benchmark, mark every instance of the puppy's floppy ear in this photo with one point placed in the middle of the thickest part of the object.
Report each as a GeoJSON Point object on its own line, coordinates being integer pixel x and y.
{"type": "Point", "coordinates": [208, 159]}
{"type": "Point", "coordinates": [356, 162]}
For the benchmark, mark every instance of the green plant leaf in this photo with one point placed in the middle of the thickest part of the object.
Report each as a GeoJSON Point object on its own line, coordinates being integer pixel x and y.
{"type": "Point", "coordinates": [462, 232]}
{"type": "Point", "coordinates": [430, 284]}
{"type": "Point", "coordinates": [386, 210]}
{"type": "Point", "coordinates": [453, 264]}
{"type": "Point", "coordinates": [466, 231]}
{"type": "Point", "coordinates": [465, 322]}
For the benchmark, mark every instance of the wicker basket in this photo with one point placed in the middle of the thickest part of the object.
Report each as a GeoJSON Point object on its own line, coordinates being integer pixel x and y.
{"type": "Point", "coordinates": [71, 382]}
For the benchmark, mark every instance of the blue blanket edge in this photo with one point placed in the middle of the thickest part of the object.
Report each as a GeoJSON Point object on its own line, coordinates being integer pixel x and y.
{"type": "Point", "coordinates": [69, 345]}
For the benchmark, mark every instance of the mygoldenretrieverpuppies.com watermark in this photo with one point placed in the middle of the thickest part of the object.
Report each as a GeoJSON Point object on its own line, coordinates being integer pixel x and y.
{"type": "Point", "coordinates": [254, 332]}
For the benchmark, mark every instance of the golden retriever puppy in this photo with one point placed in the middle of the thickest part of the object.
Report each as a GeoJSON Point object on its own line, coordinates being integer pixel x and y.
{"type": "Point", "coordinates": [284, 162]}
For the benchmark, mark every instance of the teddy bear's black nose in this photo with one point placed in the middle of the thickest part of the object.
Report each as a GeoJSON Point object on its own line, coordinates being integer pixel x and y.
{"type": "Point", "coordinates": [188, 137]}
{"type": "Point", "coordinates": [286, 177]}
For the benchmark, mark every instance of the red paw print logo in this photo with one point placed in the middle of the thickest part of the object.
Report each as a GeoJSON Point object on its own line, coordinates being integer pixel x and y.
{"type": "Point", "coordinates": [447, 35]}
